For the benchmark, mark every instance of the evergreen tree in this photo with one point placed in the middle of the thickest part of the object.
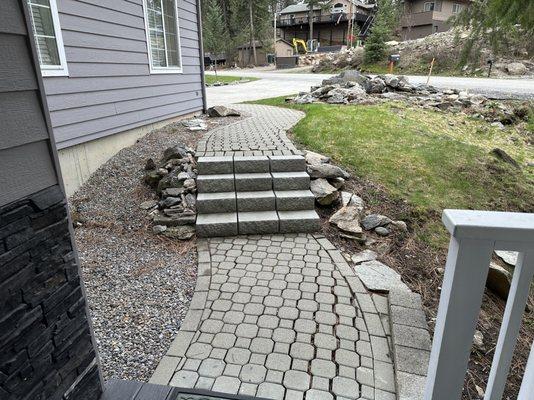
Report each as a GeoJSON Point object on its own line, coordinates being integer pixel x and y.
{"type": "Point", "coordinates": [500, 22]}
{"type": "Point", "coordinates": [214, 30]}
{"type": "Point", "coordinates": [384, 24]}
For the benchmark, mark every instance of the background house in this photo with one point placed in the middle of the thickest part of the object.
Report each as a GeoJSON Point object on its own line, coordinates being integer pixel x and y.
{"type": "Point", "coordinates": [113, 70]}
{"type": "Point", "coordinates": [422, 17]}
{"type": "Point", "coordinates": [245, 55]}
{"type": "Point", "coordinates": [331, 23]}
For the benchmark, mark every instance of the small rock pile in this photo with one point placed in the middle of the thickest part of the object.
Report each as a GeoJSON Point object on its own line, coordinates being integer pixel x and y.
{"type": "Point", "coordinates": [353, 87]}
{"type": "Point", "coordinates": [174, 179]}
{"type": "Point", "coordinates": [327, 183]}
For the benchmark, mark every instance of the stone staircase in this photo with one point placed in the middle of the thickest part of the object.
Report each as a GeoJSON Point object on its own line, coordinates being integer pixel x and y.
{"type": "Point", "coordinates": [243, 195]}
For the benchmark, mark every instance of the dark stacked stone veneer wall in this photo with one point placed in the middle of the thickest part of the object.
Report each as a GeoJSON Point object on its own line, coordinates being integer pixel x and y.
{"type": "Point", "coordinates": [46, 351]}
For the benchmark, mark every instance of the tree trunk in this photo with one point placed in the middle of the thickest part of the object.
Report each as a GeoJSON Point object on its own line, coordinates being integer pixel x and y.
{"type": "Point", "coordinates": [252, 41]}
{"type": "Point", "coordinates": [310, 21]}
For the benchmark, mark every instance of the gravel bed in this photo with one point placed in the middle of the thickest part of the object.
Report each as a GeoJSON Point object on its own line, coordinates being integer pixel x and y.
{"type": "Point", "coordinates": [138, 285]}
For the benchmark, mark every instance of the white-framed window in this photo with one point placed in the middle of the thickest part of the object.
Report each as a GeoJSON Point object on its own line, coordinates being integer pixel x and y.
{"type": "Point", "coordinates": [49, 41]}
{"type": "Point", "coordinates": [456, 8]}
{"type": "Point", "coordinates": [429, 6]}
{"type": "Point", "coordinates": [163, 36]}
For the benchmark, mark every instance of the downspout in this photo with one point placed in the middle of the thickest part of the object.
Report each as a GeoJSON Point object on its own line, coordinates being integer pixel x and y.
{"type": "Point", "coordinates": [201, 52]}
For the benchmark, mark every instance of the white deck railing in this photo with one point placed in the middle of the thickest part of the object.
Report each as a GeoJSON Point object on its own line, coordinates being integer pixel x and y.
{"type": "Point", "coordinates": [474, 237]}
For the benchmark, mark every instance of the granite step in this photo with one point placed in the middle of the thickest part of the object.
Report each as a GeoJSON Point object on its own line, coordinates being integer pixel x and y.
{"type": "Point", "coordinates": [294, 200]}
{"type": "Point", "coordinates": [215, 165]}
{"type": "Point", "coordinates": [291, 180]}
{"type": "Point", "coordinates": [257, 222]}
{"type": "Point", "coordinates": [264, 200]}
{"type": "Point", "coordinates": [219, 202]}
{"type": "Point", "coordinates": [220, 224]}
{"type": "Point", "coordinates": [251, 164]}
{"type": "Point", "coordinates": [215, 183]}
{"type": "Point", "coordinates": [299, 221]}
{"type": "Point", "coordinates": [249, 182]}
{"type": "Point", "coordinates": [291, 163]}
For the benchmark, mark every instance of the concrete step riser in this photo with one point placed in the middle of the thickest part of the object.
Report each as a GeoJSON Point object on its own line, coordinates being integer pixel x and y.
{"type": "Point", "coordinates": [262, 222]}
{"type": "Point", "coordinates": [253, 182]}
{"type": "Point", "coordinates": [288, 164]}
{"type": "Point", "coordinates": [256, 201]}
{"type": "Point", "coordinates": [295, 200]}
{"type": "Point", "coordinates": [215, 183]}
{"type": "Point", "coordinates": [291, 181]}
{"type": "Point", "coordinates": [211, 203]}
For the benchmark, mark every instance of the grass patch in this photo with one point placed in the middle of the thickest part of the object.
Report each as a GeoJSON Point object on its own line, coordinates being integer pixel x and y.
{"type": "Point", "coordinates": [211, 79]}
{"type": "Point", "coordinates": [430, 159]}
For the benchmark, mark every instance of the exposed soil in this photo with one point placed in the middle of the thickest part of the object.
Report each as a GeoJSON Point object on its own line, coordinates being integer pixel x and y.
{"type": "Point", "coordinates": [421, 267]}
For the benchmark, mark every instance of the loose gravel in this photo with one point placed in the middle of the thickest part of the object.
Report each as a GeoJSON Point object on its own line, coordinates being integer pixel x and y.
{"type": "Point", "coordinates": [138, 285]}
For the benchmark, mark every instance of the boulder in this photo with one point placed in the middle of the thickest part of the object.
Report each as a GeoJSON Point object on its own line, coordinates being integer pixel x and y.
{"type": "Point", "coordinates": [499, 280]}
{"type": "Point", "coordinates": [222, 111]}
{"type": "Point", "coordinates": [401, 225]}
{"type": "Point", "coordinates": [346, 219]}
{"type": "Point", "coordinates": [327, 171]}
{"type": "Point", "coordinates": [168, 202]}
{"type": "Point", "coordinates": [338, 183]}
{"type": "Point", "coordinates": [178, 151]}
{"type": "Point", "coordinates": [517, 68]}
{"type": "Point", "coordinates": [305, 98]}
{"type": "Point", "coordinates": [172, 192]}
{"type": "Point", "coordinates": [173, 180]}
{"type": "Point", "coordinates": [324, 193]}
{"type": "Point", "coordinates": [504, 156]}
{"type": "Point", "coordinates": [195, 124]}
{"type": "Point", "coordinates": [315, 158]}
{"type": "Point", "coordinates": [373, 221]}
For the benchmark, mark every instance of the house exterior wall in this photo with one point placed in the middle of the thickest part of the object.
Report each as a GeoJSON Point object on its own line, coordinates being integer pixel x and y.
{"type": "Point", "coordinates": [283, 49]}
{"type": "Point", "coordinates": [110, 88]}
{"type": "Point", "coordinates": [417, 23]}
{"type": "Point", "coordinates": [46, 344]}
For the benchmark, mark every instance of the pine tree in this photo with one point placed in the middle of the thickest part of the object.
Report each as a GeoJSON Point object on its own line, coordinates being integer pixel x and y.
{"type": "Point", "coordinates": [214, 30]}
{"type": "Point", "coordinates": [385, 22]}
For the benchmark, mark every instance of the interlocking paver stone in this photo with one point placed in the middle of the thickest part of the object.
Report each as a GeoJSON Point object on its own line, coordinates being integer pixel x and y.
{"type": "Point", "coordinates": [280, 316]}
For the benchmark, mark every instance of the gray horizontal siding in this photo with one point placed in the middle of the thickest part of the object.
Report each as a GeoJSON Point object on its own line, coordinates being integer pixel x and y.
{"type": "Point", "coordinates": [109, 88]}
{"type": "Point", "coordinates": [25, 161]}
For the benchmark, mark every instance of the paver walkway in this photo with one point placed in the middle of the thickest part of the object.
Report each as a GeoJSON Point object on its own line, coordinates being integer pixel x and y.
{"type": "Point", "coordinates": [279, 316]}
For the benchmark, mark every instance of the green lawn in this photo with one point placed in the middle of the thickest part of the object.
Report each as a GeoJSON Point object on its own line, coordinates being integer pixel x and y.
{"type": "Point", "coordinates": [211, 79]}
{"type": "Point", "coordinates": [433, 160]}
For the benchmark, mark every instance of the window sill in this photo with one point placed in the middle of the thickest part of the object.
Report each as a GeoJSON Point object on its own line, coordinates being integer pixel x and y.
{"type": "Point", "coordinates": [54, 72]}
{"type": "Point", "coordinates": [166, 71]}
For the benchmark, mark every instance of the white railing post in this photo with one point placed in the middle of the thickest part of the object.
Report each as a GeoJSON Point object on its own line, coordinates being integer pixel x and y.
{"type": "Point", "coordinates": [474, 236]}
{"type": "Point", "coordinates": [461, 297]}
{"type": "Point", "coordinates": [527, 387]}
{"type": "Point", "coordinates": [513, 314]}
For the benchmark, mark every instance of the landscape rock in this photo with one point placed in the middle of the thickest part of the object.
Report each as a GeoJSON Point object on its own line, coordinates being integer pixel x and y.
{"type": "Point", "coordinates": [373, 221]}
{"type": "Point", "coordinates": [381, 231]}
{"type": "Point", "coordinates": [175, 220]}
{"type": "Point", "coordinates": [147, 205]}
{"type": "Point", "coordinates": [196, 124]}
{"type": "Point", "coordinates": [346, 219]}
{"type": "Point", "coordinates": [363, 256]}
{"type": "Point", "coordinates": [177, 151]}
{"type": "Point", "coordinates": [509, 257]}
{"type": "Point", "coordinates": [222, 111]}
{"type": "Point", "coordinates": [327, 171]}
{"type": "Point", "coordinates": [478, 340]}
{"type": "Point", "coordinates": [168, 202]}
{"type": "Point", "coordinates": [157, 229]}
{"type": "Point", "coordinates": [315, 158]}
{"type": "Point", "coordinates": [324, 193]}
{"type": "Point", "coordinates": [150, 165]}
{"type": "Point", "coordinates": [152, 178]}
{"type": "Point", "coordinates": [517, 68]}
{"type": "Point", "coordinates": [379, 277]}
{"type": "Point", "coordinates": [180, 232]}
{"type": "Point", "coordinates": [499, 280]}
{"type": "Point", "coordinates": [401, 225]}
{"type": "Point", "coordinates": [338, 183]}
{"type": "Point", "coordinates": [504, 156]}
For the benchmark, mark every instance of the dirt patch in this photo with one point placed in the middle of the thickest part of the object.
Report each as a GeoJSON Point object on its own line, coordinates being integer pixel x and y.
{"type": "Point", "coordinates": [421, 267]}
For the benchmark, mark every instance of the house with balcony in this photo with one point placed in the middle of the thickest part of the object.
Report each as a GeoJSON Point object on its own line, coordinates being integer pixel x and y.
{"type": "Point", "coordinates": [334, 22]}
{"type": "Point", "coordinates": [421, 18]}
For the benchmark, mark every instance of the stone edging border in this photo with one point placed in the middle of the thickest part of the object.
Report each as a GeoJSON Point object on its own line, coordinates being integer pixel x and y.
{"type": "Point", "coordinates": [191, 323]}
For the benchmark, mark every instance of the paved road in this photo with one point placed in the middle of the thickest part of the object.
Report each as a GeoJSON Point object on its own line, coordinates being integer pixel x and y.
{"type": "Point", "coordinates": [275, 83]}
